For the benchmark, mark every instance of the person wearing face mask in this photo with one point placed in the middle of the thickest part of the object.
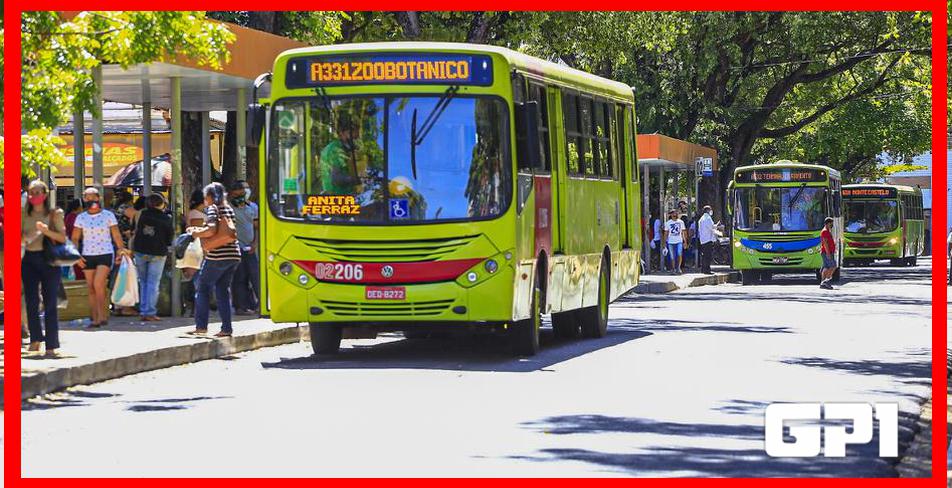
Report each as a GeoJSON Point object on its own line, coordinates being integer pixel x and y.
{"type": "Point", "coordinates": [99, 231]}
{"type": "Point", "coordinates": [246, 278]}
{"type": "Point", "coordinates": [707, 236]}
{"type": "Point", "coordinates": [39, 221]}
{"type": "Point", "coordinates": [151, 241]}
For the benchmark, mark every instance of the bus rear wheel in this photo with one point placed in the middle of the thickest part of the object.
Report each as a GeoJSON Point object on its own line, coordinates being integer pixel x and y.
{"type": "Point", "coordinates": [524, 335]}
{"type": "Point", "coordinates": [565, 325]}
{"type": "Point", "coordinates": [594, 320]}
{"type": "Point", "coordinates": [325, 338]}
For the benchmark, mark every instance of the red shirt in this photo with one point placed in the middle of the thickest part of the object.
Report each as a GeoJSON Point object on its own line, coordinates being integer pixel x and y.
{"type": "Point", "coordinates": [829, 246]}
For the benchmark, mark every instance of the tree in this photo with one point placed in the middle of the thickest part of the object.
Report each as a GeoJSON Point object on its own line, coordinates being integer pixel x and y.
{"type": "Point", "coordinates": [59, 55]}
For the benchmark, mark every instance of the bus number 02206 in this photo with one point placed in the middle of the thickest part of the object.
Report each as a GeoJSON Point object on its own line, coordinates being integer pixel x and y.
{"type": "Point", "coordinates": [339, 272]}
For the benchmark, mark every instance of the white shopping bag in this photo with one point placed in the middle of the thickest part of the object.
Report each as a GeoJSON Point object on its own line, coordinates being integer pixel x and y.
{"type": "Point", "coordinates": [193, 256]}
{"type": "Point", "coordinates": [125, 291]}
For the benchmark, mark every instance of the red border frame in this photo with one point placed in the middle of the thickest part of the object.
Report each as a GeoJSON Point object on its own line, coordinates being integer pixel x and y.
{"type": "Point", "coordinates": [13, 8]}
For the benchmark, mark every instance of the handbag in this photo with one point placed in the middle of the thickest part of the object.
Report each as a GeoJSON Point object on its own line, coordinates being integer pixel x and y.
{"type": "Point", "coordinates": [225, 234]}
{"type": "Point", "coordinates": [181, 243]}
{"type": "Point", "coordinates": [56, 254]}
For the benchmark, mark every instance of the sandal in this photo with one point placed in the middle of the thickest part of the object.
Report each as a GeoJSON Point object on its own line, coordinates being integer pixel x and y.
{"type": "Point", "coordinates": [223, 334]}
{"type": "Point", "coordinates": [197, 332]}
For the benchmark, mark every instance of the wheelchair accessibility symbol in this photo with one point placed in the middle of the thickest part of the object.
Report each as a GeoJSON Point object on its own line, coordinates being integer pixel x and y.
{"type": "Point", "coordinates": [399, 208]}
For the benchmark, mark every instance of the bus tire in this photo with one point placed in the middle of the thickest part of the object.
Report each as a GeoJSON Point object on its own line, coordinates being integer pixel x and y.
{"type": "Point", "coordinates": [325, 338]}
{"type": "Point", "coordinates": [416, 334]}
{"type": "Point", "coordinates": [819, 276]}
{"type": "Point", "coordinates": [766, 277]}
{"type": "Point", "coordinates": [897, 262]}
{"type": "Point", "coordinates": [913, 261]}
{"type": "Point", "coordinates": [836, 275]}
{"type": "Point", "coordinates": [748, 277]}
{"type": "Point", "coordinates": [565, 325]}
{"type": "Point", "coordinates": [593, 321]}
{"type": "Point", "coordinates": [524, 335]}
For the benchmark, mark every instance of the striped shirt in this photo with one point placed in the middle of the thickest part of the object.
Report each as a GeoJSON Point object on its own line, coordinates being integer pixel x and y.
{"type": "Point", "coordinates": [228, 251]}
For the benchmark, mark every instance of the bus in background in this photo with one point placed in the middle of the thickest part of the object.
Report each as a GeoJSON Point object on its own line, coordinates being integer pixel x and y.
{"type": "Point", "coordinates": [425, 187]}
{"type": "Point", "coordinates": [778, 211]}
{"type": "Point", "coordinates": [883, 222]}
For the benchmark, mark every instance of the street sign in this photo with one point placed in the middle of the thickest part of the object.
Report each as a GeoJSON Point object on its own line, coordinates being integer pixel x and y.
{"type": "Point", "coordinates": [705, 166]}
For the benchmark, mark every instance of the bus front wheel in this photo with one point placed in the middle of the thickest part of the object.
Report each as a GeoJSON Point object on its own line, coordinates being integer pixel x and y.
{"type": "Point", "coordinates": [748, 277]}
{"type": "Point", "coordinates": [594, 320]}
{"type": "Point", "coordinates": [325, 338]}
{"type": "Point", "coordinates": [524, 334]}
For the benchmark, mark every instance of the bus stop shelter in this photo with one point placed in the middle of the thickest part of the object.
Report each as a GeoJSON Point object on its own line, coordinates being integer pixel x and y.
{"type": "Point", "coordinates": [178, 85]}
{"type": "Point", "coordinates": [677, 175]}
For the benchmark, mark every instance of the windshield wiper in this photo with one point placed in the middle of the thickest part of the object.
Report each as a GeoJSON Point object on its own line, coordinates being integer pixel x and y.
{"type": "Point", "coordinates": [428, 123]}
{"type": "Point", "coordinates": [797, 196]}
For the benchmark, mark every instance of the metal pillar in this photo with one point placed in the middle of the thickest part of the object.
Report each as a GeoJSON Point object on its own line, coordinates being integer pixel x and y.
{"type": "Point", "coordinates": [146, 148]}
{"type": "Point", "coordinates": [241, 168]}
{"type": "Point", "coordinates": [646, 213]}
{"type": "Point", "coordinates": [79, 155]}
{"type": "Point", "coordinates": [175, 193]}
{"type": "Point", "coordinates": [97, 129]}
{"type": "Point", "coordinates": [661, 212]}
{"type": "Point", "coordinates": [206, 152]}
{"type": "Point", "coordinates": [146, 134]}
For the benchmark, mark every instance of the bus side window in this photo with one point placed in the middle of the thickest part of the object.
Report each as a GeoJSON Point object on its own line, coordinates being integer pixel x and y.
{"type": "Point", "coordinates": [631, 134]}
{"type": "Point", "coordinates": [537, 94]}
{"type": "Point", "coordinates": [601, 134]}
{"type": "Point", "coordinates": [573, 135]}
{"type": "Point", "coordinates": [586, 146]}
{"type": "Point", "coordinates": [518, 97]}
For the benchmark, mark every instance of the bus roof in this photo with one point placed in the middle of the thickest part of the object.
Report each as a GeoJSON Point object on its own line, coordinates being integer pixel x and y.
{"type": "Point", "coordinates": [517, 60]}
{"type": "Point", "coordinates": [902, 188]}
{"type": "Point", "coordinates": [788, 164]}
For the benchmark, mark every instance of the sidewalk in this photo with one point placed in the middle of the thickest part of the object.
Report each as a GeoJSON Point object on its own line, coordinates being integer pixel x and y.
{"type": "Point", "coordinates": [128, 346]}
{"type": "Point", "coordinates": [666, 283]}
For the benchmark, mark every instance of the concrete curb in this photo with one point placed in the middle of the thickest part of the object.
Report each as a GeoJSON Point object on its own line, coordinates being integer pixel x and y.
{"type": "Point", "coordinates": [916, 459]}
{"type": "Point", "coordinates": [41, 382]}
{"type": "Point", "coordinates": [669, 286]}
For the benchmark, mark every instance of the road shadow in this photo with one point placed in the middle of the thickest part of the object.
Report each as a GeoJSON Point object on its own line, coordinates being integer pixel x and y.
{"type": "Point", "coordinates": [693, 460]}
{"type": "Point", "coordinates": [79, 398]}
{"type": "Point", "coordinates": [750, 294]}
{"type": "Point", "coordinates": [475, 352]}
{"type": "Point", "coordinates": [909, 372]}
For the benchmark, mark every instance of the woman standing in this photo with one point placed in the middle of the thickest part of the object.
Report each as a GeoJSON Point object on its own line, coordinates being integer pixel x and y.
{"type": "Point", "coordinates": [39, 221]}
{"type": "Point", "coordinates": [194, 218]}
{"type": "Point", "coordinates": [219, 264]}
{"type": "Point", "coordinates": [151, 241]}
{"type": "Point", "coordinates": [97, 228]}
{"type": "Point", "coordinates": [73, 209]}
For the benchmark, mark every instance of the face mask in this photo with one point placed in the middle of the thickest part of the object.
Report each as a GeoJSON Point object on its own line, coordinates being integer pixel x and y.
{"type": "Point", "coordinates": [37, 199]}
{"type": "Point", "coordinates": [247, 193]}
{"type": "Point", "coordinates": [91, 205]}
{"type": "Point", "coordinates": [237, 201]}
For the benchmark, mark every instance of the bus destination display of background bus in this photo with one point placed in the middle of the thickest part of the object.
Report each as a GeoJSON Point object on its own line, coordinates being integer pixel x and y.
{"type": "Point", "coordinates": [781, 175]}
{"type": "Point", "coordinates": [869, 193]}
{"type": "Point", "coordinates": [412, 69]}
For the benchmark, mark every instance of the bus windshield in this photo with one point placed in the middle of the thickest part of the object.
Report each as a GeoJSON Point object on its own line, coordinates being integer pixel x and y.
{"type": "Point", "coordinates": [765, 209]}
{"type": "Point", "coordinates": [870, 217]}
{"type": "Point", "coordinates": [348, 159]}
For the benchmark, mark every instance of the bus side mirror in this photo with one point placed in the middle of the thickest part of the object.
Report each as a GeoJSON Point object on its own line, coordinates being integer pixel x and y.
{"type": "Point", "coordinates": [527, 123]}
{"type": "Point", "coordinates": [255, 124]}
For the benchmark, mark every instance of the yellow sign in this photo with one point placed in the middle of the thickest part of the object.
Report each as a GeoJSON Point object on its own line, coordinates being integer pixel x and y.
{"type": "Point", "coordinates": [113, 153]}
{"type": "Point", "coordinates": [331, 205]}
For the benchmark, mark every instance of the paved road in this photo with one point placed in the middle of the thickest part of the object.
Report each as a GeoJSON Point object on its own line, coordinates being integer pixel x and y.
{"type": "Point", "coordinates": [677, 388]}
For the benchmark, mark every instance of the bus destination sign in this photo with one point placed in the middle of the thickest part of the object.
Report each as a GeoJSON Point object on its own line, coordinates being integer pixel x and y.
{"type": "Point", "coordinates": [869, 192]}
{"type": "Point", "coordinates": [400, 69]}
{"type": "Point", "coordinates": [781, 175]}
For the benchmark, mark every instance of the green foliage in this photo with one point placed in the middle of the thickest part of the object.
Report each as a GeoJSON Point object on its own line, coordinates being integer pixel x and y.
{"type": "Point", "coordinates": [58, 58]}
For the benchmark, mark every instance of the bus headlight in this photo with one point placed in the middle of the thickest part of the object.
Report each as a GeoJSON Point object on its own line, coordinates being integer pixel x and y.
{"type": "Point", "coordinates": [472, 276]}
{"type": "Point", "coordinates": [491, 266]}
{"type": "Point", "coordinates": [303, 279]}
{"type": "Point", "coordinates": [736, 243]}
{"type": "Point", "coordinates": [285, 268]}
{"type": "Point", "coordinates": [893, 241]}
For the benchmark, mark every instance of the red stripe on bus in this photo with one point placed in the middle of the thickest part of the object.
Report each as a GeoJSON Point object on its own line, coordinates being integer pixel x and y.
{"type": "Point", "coordinates": [373, 273]}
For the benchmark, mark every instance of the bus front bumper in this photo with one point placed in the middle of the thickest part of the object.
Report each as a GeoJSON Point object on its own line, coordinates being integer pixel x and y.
{"type": "Point", "coordinates": [792, 262]}
{"type": "Point", "coordinates": [887, 248]}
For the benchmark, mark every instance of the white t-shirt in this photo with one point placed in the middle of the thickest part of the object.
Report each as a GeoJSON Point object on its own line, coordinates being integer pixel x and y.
{"type": "Point", "coordinates": [674, 228]}
{"type": "Point", "coordinates": [656, 234]}
{"type": "Point", "coordinates": [97, 238]}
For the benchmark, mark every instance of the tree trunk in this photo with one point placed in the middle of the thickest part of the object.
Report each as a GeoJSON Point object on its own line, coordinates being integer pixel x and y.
{"type": "Point", "coordinates": [229, 162]}
{"type": "Point", "coordinates": [410, 23]}
{"type": "Point", "coordinates": [263, 20]}
{"type": "Point", "coordinates": [191, 155]}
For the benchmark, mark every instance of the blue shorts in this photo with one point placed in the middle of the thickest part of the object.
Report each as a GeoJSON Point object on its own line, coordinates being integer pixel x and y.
{"type": "Point", "coordinates": [675, 251]}
{"type": "Point", "coordinates": [829, 261]}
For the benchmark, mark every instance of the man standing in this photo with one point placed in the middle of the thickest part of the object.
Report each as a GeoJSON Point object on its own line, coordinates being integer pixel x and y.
{"type": "Point", "coordinates": [654, 230]}
{"type": "Point", "coordinates": [245, 282]}
{"type": "Point", "coordinates": [675, 237]}
{"type": "Point", "coordinates": [707, 236]}
{"type": "Point", "coordinates": [828, 252]}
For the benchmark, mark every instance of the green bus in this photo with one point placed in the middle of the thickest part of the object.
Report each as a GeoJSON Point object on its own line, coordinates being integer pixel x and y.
{"type": "Point", "coordinates": [433, 187]}
{"type": "Point", "coordinates": [778, 211]}
{"type": "Point", "coordinates": [883, 222]}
